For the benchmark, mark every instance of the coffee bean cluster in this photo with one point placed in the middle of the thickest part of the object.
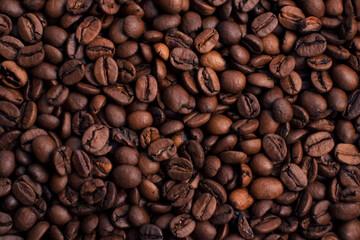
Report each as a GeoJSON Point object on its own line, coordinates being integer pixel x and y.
{"type": "Point", "coordinates": [179, 119]}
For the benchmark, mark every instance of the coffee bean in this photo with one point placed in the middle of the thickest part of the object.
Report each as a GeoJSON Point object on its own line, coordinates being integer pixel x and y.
{"type": "Point", "coordinates": [93, 191]}
{"type": "Point", "coordinates": [206, 40]}
{"type": "Point", "coordinates": [241, 199]}
{"type": "Point", "coordinates": [10, 47]}
{"type": "Point", "coordinates": [204, 207]}
{"type": "Point", "coordinates": [266, 188]}
{"type": "Point", "coordinates": [72, 72]}
{"type": "Point", "coordinates": [13, 75]}
{"type": "Point", "coordinates": [319, 144]}
{"type": "Point", "coordinates": [310, 45]}
{"type": "Point", "coordinates": [182, 225]}
{"type": "Point", "coordinates": [264, 24]}
{"type": "Point", "coordinates": [183, 59]}
{"type": "Point", "coordinates": [146, 88]}
{"type": "Point", "coordinates": [105, 71]}
{"type": "Point", "coordinates": [95, 140]}
{"type": "Point", "coordinates": [88, 30]}
{"type": "Point", "coordinates": [26, 191]}
{"type": "Point", "coordinates": [30, 28]}
{"type": "Point", "coordinates": [347, 154]}
{"type": "Point", "coordinates": [293, 177]}
{"type": "Point", "coordinates": [180, 169]}
{"type": "Point", "coordinates": [150, 231]}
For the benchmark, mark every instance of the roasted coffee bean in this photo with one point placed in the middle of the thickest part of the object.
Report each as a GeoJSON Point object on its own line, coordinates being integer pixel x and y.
{"type": "Point", "coordinates": [10, 47]}
{"type": "Point", "coordinates": [95, 140]}
{"type": "Point", "coordinates": [275, 147]}
{"type": "Point", "coordinates": [182, 225]}
{"type": "Point", "coordinates": [31, 56]}
{"type": "Point", "coordinates": [206, 40]}
{"type": "Point", "coordinates": [26, 191]}
{"type": "Point", "coordinates": [347, 154]}
{"type": "Point", "coordinates": [264, 24]}
{"type": "Point", "coordinates": [93, 191]}
{"type": "Point", "coordinates": [204, 207]}
{"type": "Point", "coordinates": [180, 169]}
{"type": "Point", "coordinates": [72, 72]}
{"type": "Point", "coordinates": [146, 88]}
{"type": "Point", "coordinates": [150, 231]}
{"type": "Point", "coordinates": [30, 28]}
{"type": "Point", "coordinates": [208, 81]}
{"type": "Point", "coordinates": [62, 160]}
{"type": "Point", "coordinates": [105, 71]}
{"type": "Point", "coordinates": [293, 177]}
{"type": "Point", "coordinates": [319, 144]}
{"type": "Point", "coordinates": [13, 76]}
{"type": "Point", "coordinates": [183, 59]}
{"type": "Point", "coordinates": [88, 30]}
{"type": "Point", "coordinates": [310, 45]}
{"type": "Point", "coordinates": [248, 105]}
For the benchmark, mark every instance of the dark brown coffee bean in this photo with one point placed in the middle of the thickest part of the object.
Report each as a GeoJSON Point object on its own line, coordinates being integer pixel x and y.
{"type": "Point", "coordinates": [30, 28]}
{"type": "Point", "coordinates": [105, 71]}
{"type": "Point", "coordinates": [310, 45]}
{"type": "Point", "coordinates": [180, 169]}
{"type": "Point", "coordinates": [266, 224]}
{"type": "Point", "coordinates": [175, 39]}
{"type": "Point", "coordinates": [88, 30]}
{"type": "Point", "coordinates": [5, 186]}
{"type": "Point", "coordinates": [264, 24]}
{"type": "Point", "coordinates": [10, 114]}
{"type": "Point", "coordinates": [10, 47]}
{"type": "Point", "coordinates": [127, 176]}
{"type": "Point", "coordinates": [266, 188]}
{"type": "Point", "coordinates": [57, 95]}
{"type": "Point", "coordinates": [146, 88]}
{"type": "Point", "coordinates": [180, 194]}
{"type": "Point", "coordinates": [100, 47]}
{"type": "Point", "coordinates": [204, 207]}
{"type": "Point", "coordinates": [318, 144]}
{"type": "Point", "coordinates": [275, 147]}
{"type": "Point", "coordinates": [208, 81]}
{"type": "Point", "coordinates": [26, 191]}
{"type": "Point", "coordinates": [281, 66]}
{"type": "Point", "coordinates": [6, 25]}
{"type": "Point", "coordinates": [31, 56]}
{"type": "Point", "coordinates": [293, 177]}
{"type": "Point", "coordinates": [93, 191]}
{"type": "Point", "coordinates": [72, 72]}
{"type": "Point", "coordinates": [248, 105]}
{"type": "Point", "coordinates": [347, 154]}
{"type": "Point", "coordinates": [206, 40]}
{"type": "Point", "coordinates": [162, 149]}
{"type": "Point", "coordinates": [82, 163]}
{"type": "Point", "coordinates": [95, 140]}
{"type": "Point", "coordinates": [246, 6]}
{"type": "Point", "coordinates": [183, 59]}
{"type": "Point", "coordinates": [150, 231]}
{"type": "Point", "coordinates": [182, 225]}
{"type": "Point", "coordinates": [62, 160]}
{"type": "Point", "coordinates": [13, 76]}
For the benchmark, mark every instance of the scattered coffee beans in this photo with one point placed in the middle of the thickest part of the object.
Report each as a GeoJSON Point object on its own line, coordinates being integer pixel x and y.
{"type": "Point", "coordinates": [179, 119]}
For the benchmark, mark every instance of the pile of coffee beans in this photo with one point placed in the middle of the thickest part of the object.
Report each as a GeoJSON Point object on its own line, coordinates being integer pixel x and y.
{"type": "Point", "coordinates": [179, 119]}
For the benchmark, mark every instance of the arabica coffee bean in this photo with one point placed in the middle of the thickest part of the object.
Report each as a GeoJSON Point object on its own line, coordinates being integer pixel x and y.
{"type": "Point", "coordinates": [182, 225]}
{"type": "Point", "coordinates": [293, 177]}
{"type": "Point", "coordinates": [266, 188]}
{"type": "Point", "coordinates": [164, 119]}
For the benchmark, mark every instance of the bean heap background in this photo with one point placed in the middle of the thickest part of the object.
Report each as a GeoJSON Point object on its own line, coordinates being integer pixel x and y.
{"type": "Point", "coordinates": [179, 119]}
